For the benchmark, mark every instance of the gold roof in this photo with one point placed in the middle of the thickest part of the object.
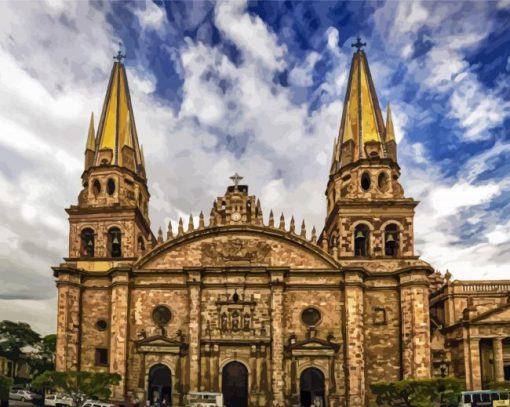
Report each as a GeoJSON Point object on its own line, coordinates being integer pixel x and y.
{"type": "Point", "coordinates": [117, 124]}
{"type": "Point", "coordinates": [91, 138]}
{"type": "Point", "coordinates": [390, 131]}
{"type": "Point", "coordinates": [362, 120]}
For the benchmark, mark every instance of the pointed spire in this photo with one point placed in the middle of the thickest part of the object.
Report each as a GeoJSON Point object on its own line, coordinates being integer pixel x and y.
{"type": "Point", "coordinates": [390, 131]}
{"type": "Point", "coordinates": [362, 131]}
{"type": "Point", "coordinates": [303, 230]}
{"type": "Point", "coordinates": [191, 226]}
{"type": "Point", "coordinates": [180, 230]}
{"type": "Point", "coordinates": [91, 138]}
{"type": "Point", "coordinates": [117, 139]}
{"type": "Point", "coordinates": [282, 222]}
{"type": "Point", "coordinates": [160, 235]}
{"type": "Point", "coordinates": [314, 236]}
{"type": "Point", "coordinates": [292, 227]}
{"type": "Point", "coordinates": [169, 232]}
{"type": "Point", "coordinates": [271, 219]}
{"type": "Point", "coordinates": [201, 222]}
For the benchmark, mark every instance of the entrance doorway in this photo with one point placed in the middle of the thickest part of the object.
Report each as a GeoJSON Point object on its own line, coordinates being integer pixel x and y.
{"type": "Point", "coordinates": [312, 389]}
{"type": "Point", "coordinates": [234, 385]}
{"type": "Point", "coordinates": [160, 385]}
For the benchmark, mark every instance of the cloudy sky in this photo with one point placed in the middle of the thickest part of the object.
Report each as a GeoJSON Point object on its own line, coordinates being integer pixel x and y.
{"type": "Point", "coordinates": [255, 88]}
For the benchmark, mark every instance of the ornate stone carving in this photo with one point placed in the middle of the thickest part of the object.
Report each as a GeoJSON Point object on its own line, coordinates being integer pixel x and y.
{"type": "Point", "coordinates": [236, 250]}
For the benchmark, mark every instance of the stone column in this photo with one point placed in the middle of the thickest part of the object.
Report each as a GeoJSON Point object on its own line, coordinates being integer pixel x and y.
{"type": "Point", "coordinates": [277, 376]}
{"type": "Point", "coordinates": [414, 307]}
{"type": "Point", "coordinates": [194, 292]}
{"type": "Point", "coordinates": [354, 339]}
{"type": "Point", "coordinates": [499, 366]}
{"type": "Point", "coordinates": [119, 330]}
{"type": "Point", "coordinates": [68, 322]}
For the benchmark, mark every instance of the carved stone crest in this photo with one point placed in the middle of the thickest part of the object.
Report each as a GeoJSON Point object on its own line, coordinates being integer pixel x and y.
{"type": "Point", "coordinates": [235, 250]}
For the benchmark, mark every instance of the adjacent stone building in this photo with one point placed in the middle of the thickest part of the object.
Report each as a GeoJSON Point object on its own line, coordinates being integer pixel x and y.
{"type": "Point", "coordinates": [246, 304]}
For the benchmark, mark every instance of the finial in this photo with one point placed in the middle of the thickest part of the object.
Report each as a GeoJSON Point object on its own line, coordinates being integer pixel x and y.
{"type": "Point", "coordinates": [201, 223]}
{"type": "Point", "coordinates": [358, 44]}
{"type": "Point", "coordinates": [303, 229]}
{"type": "Point", "coordinates": [180, 230]}
{"type": "Point", "coordinates": [160, 235]}
{"type": "Point", "coordinates": [292, 227]}
{"type": "Point", "coordinates": [236, 178]}
{"type": "Point", "coordinates": [212, 218]}
{"type": "Point", "coordinates": [120, 56]}
{"type": "Point", "coordinates": [191, 226]}
{"type": "Point", "coordinates": [271, 219]}
{"type": "Point", "coordinates": [314, 235]}
{"type": "Point", "coordinates": [282, 222]}
{"type": "Point", "coordinates": [169, 232]}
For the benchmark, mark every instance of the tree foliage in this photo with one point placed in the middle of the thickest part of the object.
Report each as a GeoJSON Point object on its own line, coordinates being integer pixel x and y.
{"type": "Point", "coordinates": [14, 336]}
{"type": "Point", "coordinates": [80, 386]}
{"type": "Point", "coordinates": [5, 385]}
{"type": "Point", "coordinates": [418, 392]}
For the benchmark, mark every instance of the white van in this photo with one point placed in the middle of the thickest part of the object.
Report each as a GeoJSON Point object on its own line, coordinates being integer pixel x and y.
{"type": "Point", "coordinates": [203, 399]}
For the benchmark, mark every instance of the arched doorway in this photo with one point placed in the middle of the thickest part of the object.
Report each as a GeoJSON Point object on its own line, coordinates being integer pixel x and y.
{"type": "Point", "coordinates": [312, 388]}
{"type": "Point", "coordinates": [160, 385]}
{"type": "Point", "coordinates": [234, 385]}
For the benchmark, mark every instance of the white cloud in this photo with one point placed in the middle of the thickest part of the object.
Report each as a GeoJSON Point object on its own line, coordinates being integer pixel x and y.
{"type": "Point", "coordinates": [152, 17]}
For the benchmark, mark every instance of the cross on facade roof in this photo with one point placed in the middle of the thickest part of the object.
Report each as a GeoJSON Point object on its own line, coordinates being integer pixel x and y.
{"type": "Point", "coordinates": [120, 56]}
{"type": "Point", "coordinates": [358, 44]}
{"type": "Point", "coordinates": [236, 178]}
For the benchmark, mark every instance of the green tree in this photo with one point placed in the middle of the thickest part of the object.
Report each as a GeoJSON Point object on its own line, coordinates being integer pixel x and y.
{"type": "Point", "coordinates": [44, 356]}
{"type": "Point", "coordinates": [14, 336]}
{"type": "Point", "coordinates": [80, 386]}
{"type": "Point", "coordinates": [5, 385]}
{"type": "Point", "coordinates": [418, 392]}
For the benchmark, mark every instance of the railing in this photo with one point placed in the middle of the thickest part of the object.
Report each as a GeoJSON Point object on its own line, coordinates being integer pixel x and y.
{"type": "Point", "coordinates": [486, 287]}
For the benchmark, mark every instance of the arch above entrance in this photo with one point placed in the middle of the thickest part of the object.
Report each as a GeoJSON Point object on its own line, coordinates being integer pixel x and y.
{"type": "Point", "coordinates": [312, 388]}
{"type": "Point", "coordinates": [234, 384]}
{"type": "Point", "coordinates": [160, 385]}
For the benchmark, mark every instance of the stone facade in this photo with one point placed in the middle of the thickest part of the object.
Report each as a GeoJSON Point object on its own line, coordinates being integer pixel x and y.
{"type": "Point", "coordinates": [256, 309]}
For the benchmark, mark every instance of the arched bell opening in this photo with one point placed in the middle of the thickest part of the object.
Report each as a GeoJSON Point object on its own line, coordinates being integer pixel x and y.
{"type": "Point", "coordinates": [391, 240]}
{"type": "Point", "coordinates": [114, 242]}
{"type": "Point", "coordinates": [361, 240]}
{"type": "Point", "coordinates": [87, 244]}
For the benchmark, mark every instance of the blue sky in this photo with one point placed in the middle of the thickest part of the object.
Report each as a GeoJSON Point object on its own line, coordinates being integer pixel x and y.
{"type": "Point", "coordinates": [257, 88]}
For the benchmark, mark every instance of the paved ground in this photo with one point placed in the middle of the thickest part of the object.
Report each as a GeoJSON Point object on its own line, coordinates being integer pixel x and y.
{"type": "Point", "coordinates": [17, 403]}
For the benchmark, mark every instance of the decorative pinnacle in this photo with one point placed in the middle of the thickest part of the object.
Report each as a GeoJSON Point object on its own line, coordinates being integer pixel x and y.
{"type": "Point", "coordinates": [201, 223]}
{"type": "Point", "coordinates": [303, 229]}
{"type": "Point", "coordinates": [314, 235]}
{"type": "Point", "coordinates": [271, 219]}
{"type": "Point", "coordinates": [160, 235]}
{"type": "Point", "coordinates": [236, 178]}
{"type": "Point", "coordinates": [191, 226]}
{"type": "Point", "coordinates": [358, 44]}
{"type": "Point", "coordinates": [169, 232]}
{"type": "Point", "coordinates": [120, 56]}
{"type": "Point", "coordinates": [180, 230]}
{"type": "Point", "coordinates": [282, 222]}
{"type": "Point", "coordinates": [292, 227]}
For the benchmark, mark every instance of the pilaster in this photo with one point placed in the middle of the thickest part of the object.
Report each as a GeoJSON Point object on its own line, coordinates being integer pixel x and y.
{"type": "Point", "coordinates": [119, 330]}
{"type": "Point", "coordinates": [499, 366]}
{"type": "Point", "coordinates": [277, 376]}
{"type": "Point", "coordinates": [194, 292]}
{"type": "Point", "coordinates": [354, 339]}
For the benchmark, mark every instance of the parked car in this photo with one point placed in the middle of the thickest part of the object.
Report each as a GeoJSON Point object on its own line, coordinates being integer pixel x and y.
{"type": "Point", "coordinates": [97, 403]}
{"type": "Point", "coordinates": [23, 395]}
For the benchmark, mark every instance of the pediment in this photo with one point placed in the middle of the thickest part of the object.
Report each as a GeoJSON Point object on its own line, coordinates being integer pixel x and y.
{"type": "Point", "coordinates": [244, 246]}
{"type": "Point", "coordinates": [314, 344]}
{"type": "Point", "coordinates": [500, 314]}
{"type": "Point", "coordinates": [161, 344]}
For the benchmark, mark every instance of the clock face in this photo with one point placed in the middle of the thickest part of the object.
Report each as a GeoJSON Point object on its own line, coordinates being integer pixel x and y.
{"type": "Point", "coordinates": [236, 216]}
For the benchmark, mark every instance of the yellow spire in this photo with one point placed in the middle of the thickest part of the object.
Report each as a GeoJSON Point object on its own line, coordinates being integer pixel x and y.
{"type": "Point", "coordinates": [117, 140]}
{"type": "Point", "coordinates": [91, 139]}
{"type": "Point", "coordinates": [362, 120]}
{"type": "Point", "coordinates": [390, 131]}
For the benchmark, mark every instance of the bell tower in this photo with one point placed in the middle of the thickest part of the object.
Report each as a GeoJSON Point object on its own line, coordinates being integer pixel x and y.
{"type": "Point", "coordinates": [367, 214]}
{"type": "Point", "coordinates": [111, 220]}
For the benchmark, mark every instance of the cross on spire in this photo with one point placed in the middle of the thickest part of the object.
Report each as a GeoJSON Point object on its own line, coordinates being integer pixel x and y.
{"type": "Point", "coordinates": [120, 56]}
{"type": "Point", "coordinates": [236, 178]}
{"type": "Point", "coordinates": [358, 44]}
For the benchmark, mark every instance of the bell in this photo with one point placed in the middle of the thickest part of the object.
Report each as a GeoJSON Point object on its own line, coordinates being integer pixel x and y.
{"type": "Point", "coordinates": [360, 235]}
{"type": "Point", "coordinates": [115, 240]}
{"type": "Point", "coordinates": [90, 244]}
{"type": "Point", "coordinates": [390, 238]}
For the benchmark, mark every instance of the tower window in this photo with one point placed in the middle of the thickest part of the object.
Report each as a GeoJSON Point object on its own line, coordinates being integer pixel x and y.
{"type": "Point", "coordinates": [101, 357]}
{"type": "Point", "coordinates": [115, 242]}
{"type": "Point", "coordinates": [87, 243]}
{"type": "Point", "coordinates": [110, 186]}
{"type": "Point", "coordinates": [96, 187]}
{"type": "Point", "coordinates": [365, 181]}
{"type": "Point", "coordinates": [382, 181]}
{"type": "Point", "coordinates": [361, 239]}
{"type": "Point", "coordinates": [391, 240]}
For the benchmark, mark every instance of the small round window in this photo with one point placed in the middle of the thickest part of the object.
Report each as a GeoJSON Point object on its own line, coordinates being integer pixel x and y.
{"type": "Point", "coordinates": [110, 186]}
{"type": "Point", "coordinates": [365, 181]}
{"type": "Point", "coordinates": [161, 315]}
{"type": "Point", "coordinates": [311, 316]}
{"type": "Point", "coordinates": [101, 325]}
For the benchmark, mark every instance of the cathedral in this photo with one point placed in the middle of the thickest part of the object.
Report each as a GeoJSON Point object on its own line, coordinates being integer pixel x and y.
{"type": "Point", "coordinates": [257, 308]}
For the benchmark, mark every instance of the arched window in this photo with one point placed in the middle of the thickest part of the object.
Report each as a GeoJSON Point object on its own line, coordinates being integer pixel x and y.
{"type": "Point", "coordinates": [365, 181]}
{"type": "Point", "coordinates": [87, 243]}
{"type": "Point", "coordinates": [361, 240]}
{"type": "Point", "coordinates": [141, 245]}
{"type": "Point", "coordinates": [391, 240]}
{"type": "Point", "coordinates": [96, 187]}
{"type": "Point", "coordinates": [115, 242]}
{"type": "Point", "coordinates": [110, 186]}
